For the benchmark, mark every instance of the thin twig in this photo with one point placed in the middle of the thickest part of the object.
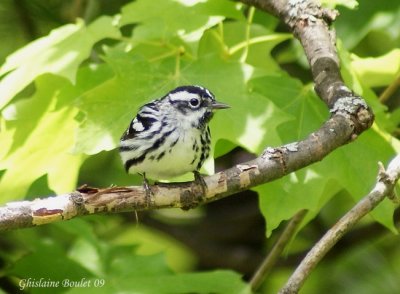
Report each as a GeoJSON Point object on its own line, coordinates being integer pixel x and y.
{"type": "Point", "coordinates": [384, 187]}
{"type": "Point", "coordinates": [389, 91]}
{"type": "Point", "coordinates": [272, 258]}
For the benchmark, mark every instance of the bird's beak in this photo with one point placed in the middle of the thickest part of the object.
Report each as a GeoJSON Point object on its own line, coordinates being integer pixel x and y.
{"type": "Point", "coordinates": [218, 105]}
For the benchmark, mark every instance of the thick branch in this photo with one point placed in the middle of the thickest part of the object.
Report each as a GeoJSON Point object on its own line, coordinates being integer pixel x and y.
{"type": "Point", "coordinates": [384, 187]}
{"type": "Point", "coordinates": [350, 117]}
{"type": "Point", "coordinates": [272, 164]}
{"type": "Point", "coordinates": [310, 24]}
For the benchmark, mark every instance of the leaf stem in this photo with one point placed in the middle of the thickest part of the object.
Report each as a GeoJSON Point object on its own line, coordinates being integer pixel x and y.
{"type": "Point", "coordinates": [255, 40]}
{"type": "Point", "coordinates": [248, 32]}
{"type": "Point", "coordinates": [164, 55]}
{"type": "Point", "coordinates": [389, 91]}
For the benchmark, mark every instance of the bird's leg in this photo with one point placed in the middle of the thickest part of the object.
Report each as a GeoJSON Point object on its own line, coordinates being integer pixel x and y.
{"type": "Point", "coordinates": [147, 189]}
{"type": "Point", "coordinates": [193, 198]}
{"type": "Point", "coordinates": [200, 181]}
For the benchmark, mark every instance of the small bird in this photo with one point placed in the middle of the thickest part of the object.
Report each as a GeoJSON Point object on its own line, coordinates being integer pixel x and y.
{"type": "Point", "coordinates": [170, 136]}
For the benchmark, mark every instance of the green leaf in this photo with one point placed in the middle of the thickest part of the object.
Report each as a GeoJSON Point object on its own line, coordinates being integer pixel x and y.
{"type": "Point", "coordinates": [187, 20]}
{"type": "Point", "coordinates": [308, 112]}
{"type": "Point", "coordinates": [61, 52]}
{"type": "Point", "coordinates": [51, 265]}
{"type": "Point", "coordinates": [109, 106]}
{"type": "Point", "coordinates": [42, 129]}
{"type": "Point", "coordinates": [149, 242]}
{"type": "Point", "coordinates": [354, 25]}
{"type": "Point", "coordinates": [351, 4]}
{"type": "Point", "coordinates": [351, 77]}
{"type": "Point", "coordinates": [377, 71]}
{"type": "Point", "coordinates": [306, 189]}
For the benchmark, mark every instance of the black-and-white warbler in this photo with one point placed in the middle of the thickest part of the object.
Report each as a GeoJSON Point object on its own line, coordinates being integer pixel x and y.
{"type": "Point", "coordinates": [170, 136]}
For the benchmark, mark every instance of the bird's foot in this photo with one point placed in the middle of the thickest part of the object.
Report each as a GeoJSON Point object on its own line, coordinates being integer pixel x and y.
{"type": "Point", "coordinates": [147, 189]}
{"type": "Point", "coordinates": [200, 181]}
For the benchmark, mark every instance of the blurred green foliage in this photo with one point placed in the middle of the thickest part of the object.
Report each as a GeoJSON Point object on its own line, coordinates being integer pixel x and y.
{"type": "Point", "coordinates": [86, 66]}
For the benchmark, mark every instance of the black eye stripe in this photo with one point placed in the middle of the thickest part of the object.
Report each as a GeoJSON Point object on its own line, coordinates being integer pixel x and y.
{"type": "Point", "coordinates": [190, 100]}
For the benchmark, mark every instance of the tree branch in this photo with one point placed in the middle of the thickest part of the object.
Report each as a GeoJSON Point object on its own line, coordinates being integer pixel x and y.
{"type": "Point", "coordinates": [350, 117]}
{"type": "Point", "coordinates": [273, 256]}
{"type": "Point", "coordinates": [272, 164]}
{"type": "Point", "coordinates": [384, 187]}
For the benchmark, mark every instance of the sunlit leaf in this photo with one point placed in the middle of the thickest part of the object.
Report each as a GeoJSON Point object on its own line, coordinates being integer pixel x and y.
{"type": "Point", "coordinates": [43, 135]}
{"type": "Point", "coordinates": [182, 19]}
{"type": "Point", "coordinates": [377, 71]}
{"type": "Point", "coordinates": [354, 25]}
{"type": "Point", "coordinates": [61, 52]}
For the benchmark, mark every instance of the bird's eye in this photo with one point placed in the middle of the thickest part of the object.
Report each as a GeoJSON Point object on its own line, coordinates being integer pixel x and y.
{"type": "Point", "coordinates": [194, 102]}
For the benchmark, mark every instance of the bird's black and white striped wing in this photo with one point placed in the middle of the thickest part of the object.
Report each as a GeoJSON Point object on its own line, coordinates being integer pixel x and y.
{"type": "Point", "coordinates": [143, 122]}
